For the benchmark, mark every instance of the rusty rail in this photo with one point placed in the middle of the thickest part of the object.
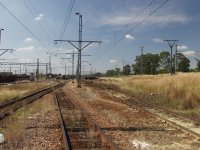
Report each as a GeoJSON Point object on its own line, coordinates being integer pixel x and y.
{"type": "Point", "coordinates": [79, 131]}
{"type": "Point", "coordinates": [9, 107]}
{"type": "Point", "coordinates": [141, 105]}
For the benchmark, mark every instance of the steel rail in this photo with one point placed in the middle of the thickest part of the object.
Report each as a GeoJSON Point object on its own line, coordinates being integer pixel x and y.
{"type": "Point", "coordinates": [17, 103]}
{"type": "Point", "coordinates": [163, 118]}
{"type": "Point", "coordinates": [138, 105]}
{"type": "Point", "coordinates": [64, 131]}
{"type": "Point", "coordinates": [111, 145]}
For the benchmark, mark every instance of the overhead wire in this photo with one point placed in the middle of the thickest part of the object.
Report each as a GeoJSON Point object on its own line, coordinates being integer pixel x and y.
{"type": "Point", "coordinates": [23, 25]}
{"type": "Point", "coordinates": [127, 24]}
{"type": "Point", "coordinates": [67, 17]}
{"type": "Point", "coordinates": [135, 27]}
{"type": "Point", "coordinates": [43, 20]}
{"type": "Point", "coordinates": [34, 15]}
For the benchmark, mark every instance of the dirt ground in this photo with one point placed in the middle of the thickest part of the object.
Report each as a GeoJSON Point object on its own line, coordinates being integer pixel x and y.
{"type": "Point", "coordinates": [35, 127]}
{"type": "Point", "coordinates": [129, 127]}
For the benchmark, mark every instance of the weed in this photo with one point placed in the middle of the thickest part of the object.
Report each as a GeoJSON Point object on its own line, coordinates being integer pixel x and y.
{"type": "Point", "coordinates": [180, 91]}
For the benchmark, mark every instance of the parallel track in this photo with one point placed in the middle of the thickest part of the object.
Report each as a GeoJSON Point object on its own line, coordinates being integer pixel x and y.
{"type": "Point", "coordinates": [8, 107]}
{"type": "Point", "coordinates": [146, 105]}
{"type": "Point", "coordinates": [79, 131]}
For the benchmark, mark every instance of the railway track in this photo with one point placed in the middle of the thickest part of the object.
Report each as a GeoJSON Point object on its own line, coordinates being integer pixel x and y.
{"type": "Point", "coordinates": [169, 116]}
{"type": "Point", "coordinates": [79, 131]}
{"type": "Point", "coordinates": [8, 107]}
{"type": "Point", "coordinates": [177, 120]}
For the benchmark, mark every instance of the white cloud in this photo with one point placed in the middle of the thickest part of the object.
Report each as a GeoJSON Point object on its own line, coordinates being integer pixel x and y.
{"type": "Point", "coordinates": [30, 48]}
{"type": "Point", "coordinates": [159, 20]}
{"type": "Point", "coordinates": [157, 40]}
{"type": "Point", "coordinates": [28, 39]}
{"type": "Point", "coordinates": [39, 17]}
{"type": "Point", "coordinates": [112, 61]}
{"type": "Point", "coordinates": [117, 20]}
{"type": "Point", "coordinates": [189, 53]}
{"type": "Point", "coordinates": [182, 47]}
{"type": "Point", "coordinates": [129, 37]}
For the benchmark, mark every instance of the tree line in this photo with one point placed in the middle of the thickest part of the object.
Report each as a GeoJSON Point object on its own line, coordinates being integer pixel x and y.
{"type": "Point", "coordinates": [154, 64]}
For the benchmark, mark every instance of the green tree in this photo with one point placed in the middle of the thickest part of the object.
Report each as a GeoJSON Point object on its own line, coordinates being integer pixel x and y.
{"type": "Point", "coordinates": [198, 65]}
{"type": "Point", "coordinates": [183, 63]}
{"type": "Point", "coordinates": [146, 64]}
{"type": "Point", "coordinates": [98, 74]}
{"type": "Point", "coordinates": [164, 62]}
{"type": "Point", "coordinates": [110, 73]}
{"type": "Point", "coordinates": [117, 71]}
{"type": "Point", "coordinates": [126, 70]}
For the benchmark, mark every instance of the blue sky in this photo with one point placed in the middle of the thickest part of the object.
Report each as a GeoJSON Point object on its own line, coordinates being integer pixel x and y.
{"type": "Point", "coordinates": [104, 20]}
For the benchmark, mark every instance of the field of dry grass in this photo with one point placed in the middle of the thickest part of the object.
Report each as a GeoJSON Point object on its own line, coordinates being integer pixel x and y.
{"type": "Point", "coordinates": [181, 91]}
{"type": "Point", "coordinates": [8, 92]}
{"type": "Point", "coordinates": [15, 127]}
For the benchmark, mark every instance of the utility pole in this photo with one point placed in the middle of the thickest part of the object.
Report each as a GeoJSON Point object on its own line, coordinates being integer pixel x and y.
{"type": "Point", "coordinates": [10, 68]}
{"type": "Point", "coordinates": [46, 69]}
{"type": "Point", "coordinates": [171, 44]}
{"type": "Point", "coordinates": [26, 69]}
{"type": "Point", "coordinates": [141, 63]}
{"type": "Point", "coordinates": [37, 71]}
{"type": "Point", "coordinates": [79, 48]}
{"type": "Point", "coordinates": [50, 69]}
{"type": "Point", "coordinates": [69, 59]}
{"type": "Point", "coordinates": [73, 65]}
{"type": "Point", "coordinates": [20, 70]}
{"type": "Point", "coordinates": [123, 65]}
{"type": "Point", "coordinates": [176, 50]}
{"type": "Point", "coordinates": [65, 70]}
{"type": "Point", "coordinates": [0, 34]}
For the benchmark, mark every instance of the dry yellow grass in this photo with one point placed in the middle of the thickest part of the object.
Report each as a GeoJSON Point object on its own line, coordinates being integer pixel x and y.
{"type": "Point", "coordinates": [17, 123]}
{"type": "Point", "coordinates": [181, 90]}
{"type": "Point", "coordinates": [18, 90]}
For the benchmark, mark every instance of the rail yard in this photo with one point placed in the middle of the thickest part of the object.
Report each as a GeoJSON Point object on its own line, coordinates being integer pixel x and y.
{"type": "Point", "coordinates": [99, 75]}
{"type": "Point", "coordinates": [64, 117]}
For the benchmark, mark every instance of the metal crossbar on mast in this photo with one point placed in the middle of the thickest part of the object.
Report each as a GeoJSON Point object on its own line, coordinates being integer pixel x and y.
{"type": "Point", "coordinates": [79, 48]}
{"type": "Point", "coordinates": [5, 50]}
{"type": "Point", "coordinates": [71, 60]}
{"type": "Point", "coordinates": [171, 44]}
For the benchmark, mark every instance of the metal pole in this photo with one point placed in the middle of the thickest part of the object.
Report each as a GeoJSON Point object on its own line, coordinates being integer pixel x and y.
{"type": "Point", "coordinates": [37, 72]}
{"type": "Point", "coordinates": [171, 45]}
{"type": "Point", "coordinates": [171, 64]}
{"type": "Point", "coordinates": [10, 67]}
{"type": "Point", "coordinates": [50, 69]}
{"type": "Point", "coordinates": [0, 35]}
{"type": "Point", "coordinates": [65, 70]}
{"type": "Point", "coordinates": [73, 64]}
{"type": "Point", "coordinates": [176, 58]}
{"type": "Point", "coordinates": [90, 69]}
{"type": "Point", "coordinates": [26, 69]}
{"type": "Point", "coordinates": [141, 60]}
{"type": "Point", "coordinates": [46, 69]}
{"type": "Point", "coordinates": [20, 72]}
{"type": "Point", "coordinates": [79, 50]}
